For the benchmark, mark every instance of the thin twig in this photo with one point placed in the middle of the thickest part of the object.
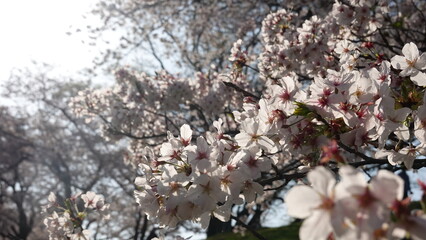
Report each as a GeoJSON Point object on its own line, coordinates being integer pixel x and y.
{"type": "Point", "coordinates": [238, 89]}
{"type": "Point", "coordinates": [254, 232]}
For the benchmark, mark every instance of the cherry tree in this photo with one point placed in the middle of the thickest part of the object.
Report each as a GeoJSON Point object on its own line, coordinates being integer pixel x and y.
{"type": "Point", "coordinates": [194, 34]}
{"type": "Point", "coordinates": [335, 109]}
{"type": "Point", "coordinates": [57, 155]}
{"type": "Point", "coordinates": [18, 214]}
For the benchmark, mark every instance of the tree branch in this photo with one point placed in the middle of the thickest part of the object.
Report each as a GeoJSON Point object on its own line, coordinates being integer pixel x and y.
{"type": "Point", "coordinates": [238, 89]}
{"type": "Point", "coordinates": [254, 232]}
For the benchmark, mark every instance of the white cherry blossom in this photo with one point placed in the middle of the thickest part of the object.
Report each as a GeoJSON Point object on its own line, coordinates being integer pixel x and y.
{"type": "Point", "coordinates": [254, 133]}
{"type": "Point", "coordinates": [318, 204]}
{"type": "Point", "coordinates": [411, 64]}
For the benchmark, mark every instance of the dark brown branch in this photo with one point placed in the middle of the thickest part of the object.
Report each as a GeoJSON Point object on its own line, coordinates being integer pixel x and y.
{"type": "Point", "coordinates": [254, 232]}
{"type": "Point", "coordinates": [238, 89]}
{"type": "Point", "coordinates": [151, 46]}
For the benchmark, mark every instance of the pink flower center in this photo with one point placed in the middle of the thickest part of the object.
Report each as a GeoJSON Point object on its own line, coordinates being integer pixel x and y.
{"type": "Point", "coordinates": [230, 168]}
{"type": "Point", "coordinates": [285, 96]}
{"type": "Point", "coordinates": [185, 142]}
{"type": "Point", "coordinates": [327, 203]}
{"type": "Point", "coordinates": [361, 113]}
{"type": "Point", "coordinates": [366, 199]}
{"type": "Point", "coordinates": [326, 91]}
{"type": "Point", "coordinates": [323, 101]}
{"type": "Point", "coordinates": [344, 106]}
{"type": "Point", "coordinates": [278, 114]}
{"type": "Point", "coordinates": [252, 162]}
{"type": "Point", "coordinates": [201, 155]}
{"type": "Point", "coordinates": [380, 116]}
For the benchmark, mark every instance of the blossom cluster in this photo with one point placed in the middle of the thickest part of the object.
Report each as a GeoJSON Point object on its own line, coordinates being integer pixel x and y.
{"type": "Point", "coordinates": [312, 46]}
{"type": "Point", "coordinates": [65, 221]}
{"type": "Point", "coordinates": [354, 208]}
{"type": "Point", "coordinates": [359, 105]}
{"type": "Point", "coordinates": [189, 180]}
{"type": "Point", "coordinates": [353, 89]}
{"type": "Point", "coordinates": [136, 103]}
{"type": "Point", "coordinates": [334, 93]}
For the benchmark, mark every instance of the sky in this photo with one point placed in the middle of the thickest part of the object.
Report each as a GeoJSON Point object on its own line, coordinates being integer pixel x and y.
{"type": "Point", "coordinates": [37, 30]}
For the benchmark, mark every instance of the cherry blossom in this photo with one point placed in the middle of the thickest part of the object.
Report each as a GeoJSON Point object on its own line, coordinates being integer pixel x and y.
{"type": "Point", "coordinates": [66, 221]}
{"type": "Point", "coordinates": [411, 64]}
{"type": "Point", "coordinates": [326, 98]}
{"type": "Point", "coordinates": [317, 204]}
{"type": "Point", "coordinates": [420, 123]}
{"type": "Point", "coordinates": [253, 133]}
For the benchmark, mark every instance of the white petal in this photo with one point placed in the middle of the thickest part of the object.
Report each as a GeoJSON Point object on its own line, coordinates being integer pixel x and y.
{"type": "Point", "coordinates": [223, 213]}
{"type": "Point", "coordinates": [322, 180]}
{"type": "Point", "coordinates": [419, 131]}
{"type": "Point", "coordinates": [267, 144]}
{"type": "Point", "coordinates": [395, 158]}
{"type": "Point", "coordinates": [402, 132]}
{"type": "Point", "coordinates": [399, 62]}
{"type": "Point", "coordinates": [204, 220]}
{"type": "Point", "coordinates": [250, 126]}
{"type": "Point", "coordinates": [421, 62]}
{"type": "Point", "coordinates": [382, 153]}
{"type": "Point", "coordinates": [341, 217]}
{"type": "Point", "coordinates": [400, 115]}
{"type": "Point", "coordinates": [410, 51]}
{"type": "Point", "coordinates": [202, 145]}
{"type": "Point", "coordinates": [387, 187]}
{"type": "Point", "coordinates": [52, 197]}
{"type": "Point", "coordinates": [218, 124]}
{"type": "Point", "coordinates": [316, 227]}
{"type": "Point", "coordinates": [301, 200]}
{"type": "Point", "coordinates": [166, 149]}
{"type": "Point", "coordinates": [408, 71]}
{"type": "Point", "coordinates": [353, 182]}
{"type": "Point", "coordinates": [186, 132]}
{"type": "Point", "coordinates": [140, 182]}
{"type": "Point", "coordinates": [374, 74]}
{"type": "Point", "coordinates": [243, 139]}
{"type": "Point", "coordinates": [419, 78]}
{"type": "Point", "coordinates": [409, 161]}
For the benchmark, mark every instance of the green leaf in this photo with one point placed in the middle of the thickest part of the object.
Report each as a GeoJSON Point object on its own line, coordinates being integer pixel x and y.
{"type": "Point", "coordinates": [301, 109]}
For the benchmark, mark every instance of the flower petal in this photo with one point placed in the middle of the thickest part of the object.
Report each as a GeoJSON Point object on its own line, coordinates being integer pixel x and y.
{"type": "Point", "coordinates": [387, 187]}
{"type": "Point", "coordinates": [352, 182]}
{"type": "Point", "coordinates": [316, 227]}
{"type": "Point", "coordinates": [267, 144]}
{"type": "Point", "coordinates": [421, 62]}
{"type": "Point", "coordinates": [322, 180]}
{"type": "Point", "coordinates": [186, 132]}
{"type": "Point", "coordinates": [399, 62]}
{"type": "Point", "coordinates": [419, 78]}
{"type": "Point", "coordinates": [410, 51]}
{"type": "Point", "coordinates": [243, 139]}
{"type": "Point", "coordinates": [301, 200]}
